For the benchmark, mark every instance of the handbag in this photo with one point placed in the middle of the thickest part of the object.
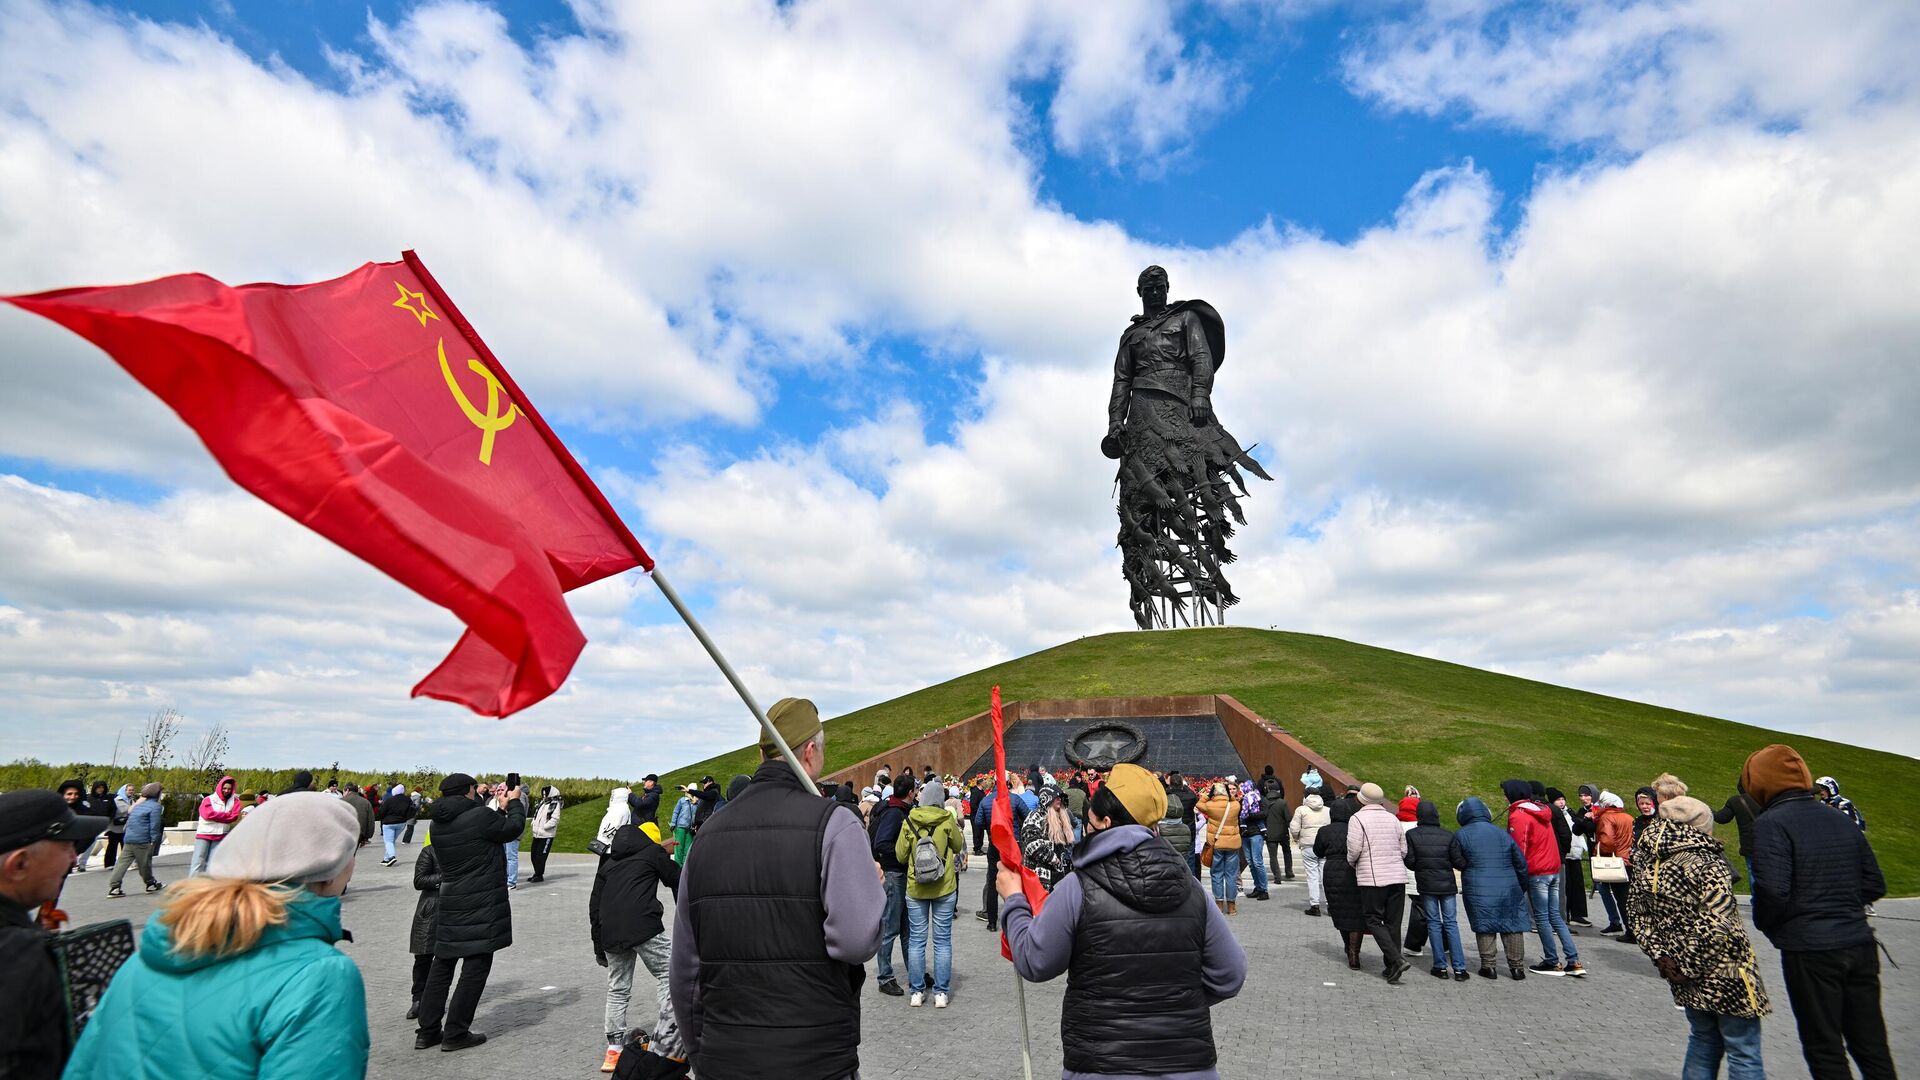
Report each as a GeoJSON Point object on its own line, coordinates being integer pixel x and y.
{"type": "Point", "coordinates": [1611, 869]}
{"type": "Point", "coordinates": [1206, 853]}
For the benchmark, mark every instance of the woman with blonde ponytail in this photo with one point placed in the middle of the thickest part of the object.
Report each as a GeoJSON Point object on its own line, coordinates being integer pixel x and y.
{"type": "Point", "coordinates": [249, 947]}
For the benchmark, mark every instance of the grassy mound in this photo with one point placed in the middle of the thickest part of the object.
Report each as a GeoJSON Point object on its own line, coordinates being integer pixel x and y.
{"type": "Point", "coordinates": [1388, 717]}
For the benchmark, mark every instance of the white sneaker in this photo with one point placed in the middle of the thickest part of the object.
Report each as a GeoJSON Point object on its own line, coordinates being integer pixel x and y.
{"type": "Point", "coordinates": [918, 999]}
{"type": "Point", "coordinates": [940, 1001]}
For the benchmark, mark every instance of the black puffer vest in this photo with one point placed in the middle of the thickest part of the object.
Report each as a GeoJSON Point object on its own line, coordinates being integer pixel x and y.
{"type": "Point", "coordinates": [1135, 998]}
{"type": "Point", "coordinates": [773, 1001]}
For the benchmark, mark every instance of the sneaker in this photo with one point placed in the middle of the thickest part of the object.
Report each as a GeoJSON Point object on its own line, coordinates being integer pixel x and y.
{"type": "Point", "coordinates": [891, 988]}
{"type": "Point", "coordinates": [1438, 973]}
{"type": "Point", "coordinates": [917, 999]}
{"type": "Point", "coordinates": [1413, 950]}
{"type": "Point", "coordinates": [115, 891]}
{"type": "Point", "coordinates": [1488, 973]}
{"type": "Point", "coordinates": [981, 914]}
{"type": "Point", "coordinates": [611, 1061]}
{"type": "Point", "coordinates": [1581, 921]}
{"type": "Point", "coordinates": [388, 862]}
{"type": "Point", "coordinates": [512, 885]}
{"type": "Point", "coordinates": [1461, 975]}
{"type": "Point", "coordinates": [1628, 939]}
{"type": "Point", "coordinates": [1546, 968]}
{"type": "Point", "coordinates": [1314, 910]}
{"type": "Point", "coordinates": [940, 1001]}
{"type": "Point", "coordinates": [156, 886]}
{"type": "Point", "coordinates": [1613, 928]}
{"type": "Point", "coordinates": [1576, 970]}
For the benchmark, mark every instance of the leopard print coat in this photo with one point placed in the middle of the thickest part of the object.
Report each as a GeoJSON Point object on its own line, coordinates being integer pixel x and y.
{"type": "Point", "coordinates": [1680, 905]}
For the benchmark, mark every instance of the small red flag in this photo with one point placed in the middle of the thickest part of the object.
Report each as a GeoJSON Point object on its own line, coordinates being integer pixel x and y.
{"type": "Point", "coordinates": [1001, 827]}
{"type": "Point", "coordinates": [368, 410]}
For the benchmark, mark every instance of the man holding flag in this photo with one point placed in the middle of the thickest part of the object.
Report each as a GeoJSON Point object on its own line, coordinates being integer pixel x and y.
{"type": "Point", "coordinates": [1146, 954]}
{"type": "Point", "coordinates": [778, 912]}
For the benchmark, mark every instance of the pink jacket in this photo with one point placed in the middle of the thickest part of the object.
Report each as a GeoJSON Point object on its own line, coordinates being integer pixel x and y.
{"type": "Point", "coordinates": [1377, 847]}
{"type": "Point", "coordinates": [218, 815]}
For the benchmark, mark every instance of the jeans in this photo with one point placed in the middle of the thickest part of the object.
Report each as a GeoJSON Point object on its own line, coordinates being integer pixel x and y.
{"type": "Point", "coordinates": [1252, 849]}
{"type": "Point", "coordinates": [893, 918]}
{"type": "Point", "coordinates": [1443, 930]}
{"type": "Point", "coordinates": [652, 954]}
{"type": "Point", "coordinates": [1226, 873]}
{"type": "Point", "coordinates": [1193, 863]}
{"type": "Point", "coordinates": [1743, 859]}
{"type": "Point", "coordinates": [1614, 895]}
{"type": "Point", "coordinates": [1737, 1038]}
{"type": "Point", "coordinates": [202, 852]}
{"type": "Point", "coordinates": [938, 913]}
{"type": "Point", "coordinates": [1316, 877]}
{"type": "Point", "coordinates": [456, 1011]}
{"type": "Point", "coordinates": [1836, 1005]}
{"type": "Point", "coordinates": [390, 833]}
{"type": "Point", "coordinates": [1544, 892]}
{"type": "Point", "coordinates": [138, 855]}
{"type": "Point", "coordinates": [513, 862]}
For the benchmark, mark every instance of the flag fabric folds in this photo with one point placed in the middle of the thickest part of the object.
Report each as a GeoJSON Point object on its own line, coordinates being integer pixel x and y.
{"type": "Point", "coordinates": [1000, 827]}
{"type": "Point", "coordinates": [368, 410]}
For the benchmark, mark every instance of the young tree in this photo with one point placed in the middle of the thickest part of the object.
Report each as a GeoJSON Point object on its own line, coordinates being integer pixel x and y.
{"type": "Point", "coordinates": [209, 755]}
{"type": "Point", "coordinates": [156, 740]}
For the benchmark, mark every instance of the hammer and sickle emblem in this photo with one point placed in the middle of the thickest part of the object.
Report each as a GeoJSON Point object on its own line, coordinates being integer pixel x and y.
{"type": "Point", "coordinates": [491, 422]}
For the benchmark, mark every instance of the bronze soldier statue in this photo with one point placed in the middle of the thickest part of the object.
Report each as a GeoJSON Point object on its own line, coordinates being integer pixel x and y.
{"type": "Point", "coordinates": [1178, 466]}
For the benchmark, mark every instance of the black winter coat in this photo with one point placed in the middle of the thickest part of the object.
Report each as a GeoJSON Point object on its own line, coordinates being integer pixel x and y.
{"type": "Point", "coordinates": [1740, 809]}
{"type": "Point", "coordinates": [396, 809]}
{"type": "Point", "coordinates": [475, 916]}
{"type": "Point", "coordinates": [33, 1018]}
{"type": "Point", "coordinates": [624, 909]}
{"type": "Point", "coordinates": [1428, 845]}
{"type": "Point", "coordinates": [1337, 876]}
{"type": "Point", "coordinates": [1814, 874]}
{"type": "Point", "coordinates": [884, 831]}
{"type": "Point", "coordinates": [426, 878]}
{"type": "Point", "coordinates": [645, 806]}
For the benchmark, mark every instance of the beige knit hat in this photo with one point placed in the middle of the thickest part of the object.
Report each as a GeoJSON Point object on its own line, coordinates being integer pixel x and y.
{"type": "Point", "coordinates": [301, 837]}
{"type": "Point", "coordinates": [1371, 795]}
{"type": "Point", "coordinates": [1688, 811]}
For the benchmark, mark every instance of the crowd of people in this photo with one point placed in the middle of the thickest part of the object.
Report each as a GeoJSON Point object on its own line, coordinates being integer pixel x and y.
{"type": "Point", "coordinates": [782, 898]}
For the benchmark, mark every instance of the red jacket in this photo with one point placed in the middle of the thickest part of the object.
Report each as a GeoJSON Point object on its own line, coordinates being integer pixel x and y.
{"type": "Point", "coordinates": [1532, 829]}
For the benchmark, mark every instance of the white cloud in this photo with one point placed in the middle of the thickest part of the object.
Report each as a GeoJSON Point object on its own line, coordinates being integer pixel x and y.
{"type": "Point", "coordinates": [1637, 72]}
{"type": "Point", "coordinates": [1656, 441]}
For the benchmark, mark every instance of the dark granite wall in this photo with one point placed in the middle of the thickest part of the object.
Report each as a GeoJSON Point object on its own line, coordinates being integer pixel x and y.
{"type": "Point", "coordinates": [1195, 745]}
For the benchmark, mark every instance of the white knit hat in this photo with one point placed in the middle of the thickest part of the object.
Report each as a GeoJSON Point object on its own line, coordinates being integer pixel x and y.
{"type": "Point", "coordinates": [298, 838]}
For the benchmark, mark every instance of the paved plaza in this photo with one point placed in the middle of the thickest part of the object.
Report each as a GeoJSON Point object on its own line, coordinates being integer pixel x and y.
{"type": "Point", "coordinates": [1302, 1013]}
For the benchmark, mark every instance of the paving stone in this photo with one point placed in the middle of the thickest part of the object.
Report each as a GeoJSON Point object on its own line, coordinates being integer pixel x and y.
{"type": "Point", "coordinates": [1302, 1013]}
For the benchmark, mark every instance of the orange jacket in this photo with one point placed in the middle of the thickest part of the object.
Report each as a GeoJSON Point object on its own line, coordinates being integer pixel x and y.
{"type": "Point", "coordinates": [1614, 832]}
{"type": "Point", "coordinates": [1223, 818]}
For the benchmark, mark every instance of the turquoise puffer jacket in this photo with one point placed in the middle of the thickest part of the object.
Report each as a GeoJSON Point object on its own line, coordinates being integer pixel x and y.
{"type": "Point", "coordinates": [292, 1006]}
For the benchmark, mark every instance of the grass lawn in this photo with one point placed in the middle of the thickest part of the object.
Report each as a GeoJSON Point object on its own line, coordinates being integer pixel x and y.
{"type": "Point", "coordinates": [1388, 717]}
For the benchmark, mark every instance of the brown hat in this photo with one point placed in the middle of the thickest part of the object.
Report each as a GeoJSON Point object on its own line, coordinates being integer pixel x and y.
{"type": "Point", "coordinates": [1144, 797]}
{"type": "Point", "coordinates": [796, 719]}
{"type": "Point", "coordinates": [1772, 770]}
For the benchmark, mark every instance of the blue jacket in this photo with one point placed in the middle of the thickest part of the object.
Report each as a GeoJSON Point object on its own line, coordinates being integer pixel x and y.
{"type": "Point", "coordinates": [682, 813]}
{"type": "Point", "coordinates": [144, 824]}
{"type": "Point", "coordinates": [290, 1007]}
{"type": "Point", "coordinates": [1493, 880]}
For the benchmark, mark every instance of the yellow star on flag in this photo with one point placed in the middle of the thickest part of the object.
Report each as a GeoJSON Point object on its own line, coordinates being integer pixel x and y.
{"type": "Point", "coordinates": [408, 298]}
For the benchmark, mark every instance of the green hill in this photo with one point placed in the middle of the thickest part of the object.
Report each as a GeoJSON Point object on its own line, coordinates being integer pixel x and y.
{"type": "Point", "coordinates": [1391, 718]}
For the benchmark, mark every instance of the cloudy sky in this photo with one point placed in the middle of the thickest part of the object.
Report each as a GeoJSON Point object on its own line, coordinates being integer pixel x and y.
{"type": "Point", "coordinates": [1581, 338]}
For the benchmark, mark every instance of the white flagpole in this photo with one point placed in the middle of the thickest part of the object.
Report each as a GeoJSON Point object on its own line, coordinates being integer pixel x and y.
{"type": "Point", "coordinates": [766, 725]}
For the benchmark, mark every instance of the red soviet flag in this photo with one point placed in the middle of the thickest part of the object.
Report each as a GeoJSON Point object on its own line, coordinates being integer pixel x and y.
{"type": "Point", "coordinates": [368, 410]}
{"type": "Point", "coordinates": [1000, 827]}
